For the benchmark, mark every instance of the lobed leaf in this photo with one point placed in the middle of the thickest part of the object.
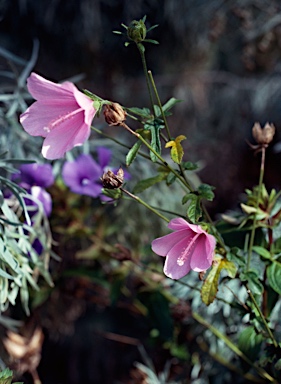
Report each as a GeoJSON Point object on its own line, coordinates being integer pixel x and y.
{"type": "Point", "coordinates": [177, 151]}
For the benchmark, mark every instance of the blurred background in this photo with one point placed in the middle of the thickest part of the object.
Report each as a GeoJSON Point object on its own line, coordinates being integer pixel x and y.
{"type": "Point", "coordinates": [221, 58]}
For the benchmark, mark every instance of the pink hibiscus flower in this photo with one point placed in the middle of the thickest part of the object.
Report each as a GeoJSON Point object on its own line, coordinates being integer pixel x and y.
{"type": "Point", "coordinates": [61, 114]}
{"type": "Point", "coordinates": [189, 247]}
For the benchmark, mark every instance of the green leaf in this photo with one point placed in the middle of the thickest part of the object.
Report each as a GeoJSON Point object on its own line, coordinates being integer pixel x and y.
{"type": "Point", "coordinates": [151, 41]}
{"type": "Point", "coordinates": [131, 155]}
{"type": "Point", "coordinates": [189, 166]}
{"type": "Point", "coordinates": [154, 128]}
{"type": "Point", "coordinates": [210, 286]}
{"type": "Point", "coordinates": [146, 183]}
{"type": "Point", "coordinates": [273, 273]}
{"type": "Point", "coordinates": [142, 112]}
{"type": "Point", "coordinates": [262, 251]}
{"type": "Point", "coordinates": [170, 178]}
{"type": "Point", "coordinates": [206, 191]}
{"type": "Point", "coordinates": [170, 103]}
{"type": "Point", "coordinates": [249, 342]}
{"type": "Point", "coordinates": [176, 148]}
{"type": "Point", "coordinates": [194, 211]}
{"type": "Point", "coordinates": [253, 281]}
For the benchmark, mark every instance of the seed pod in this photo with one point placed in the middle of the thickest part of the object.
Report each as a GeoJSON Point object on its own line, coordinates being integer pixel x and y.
{"type": "Point", "coordinates": [263, 136]}
{"type": "Point", "coordinates": [112, 181]}
{"type": "Point", "coordinates": [114, 114]}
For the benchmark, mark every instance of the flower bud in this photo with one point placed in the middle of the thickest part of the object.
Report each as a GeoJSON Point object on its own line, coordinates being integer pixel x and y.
{"type": "Point", "coordinates": [136, 31]}
{"type": "Point", "coordinates": [112, 181]}
{"type": "Point", "coordinates": [263, 136]}
{"type": "Point", "coordinates": [114, 114]}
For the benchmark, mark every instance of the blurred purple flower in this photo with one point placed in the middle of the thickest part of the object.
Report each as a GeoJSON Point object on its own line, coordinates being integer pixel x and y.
{"type": "Point", "coordinates": [34, 178]}
{"type": "Point", "coordinates": [36, 174]}
{"type": "Point", "coordinates": [189, 247]}
{"type": "Point", "coordinates": [82, 176]}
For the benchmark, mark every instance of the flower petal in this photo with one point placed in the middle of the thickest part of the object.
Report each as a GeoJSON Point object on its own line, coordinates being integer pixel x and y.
{"type": "Point", "coordinates": [64, 137]}
{"type": "Point", "coordinates": [39, 118]}
{"type": "Point", "coordinates": [163, 245]}
{"type": "Point", "coordinates": [179, 223]}
{"type": "Point", "coordinates": [203, 252]}
{"type": "Point", "coordinates": [45, 90]}
{"type": "Point", "coordinates": [104, 156]}
{"type": "Point", "coordinates": [171, 268]}
{"type": "Point", "coordinates": [37, 174]}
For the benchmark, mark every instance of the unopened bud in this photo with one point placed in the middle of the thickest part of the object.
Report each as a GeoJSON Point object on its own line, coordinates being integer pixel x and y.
{"type": "Point", "coordinates": [136, 31]}
{"type": "Point", "coordinates": [114, 114]}
{"type": "Point", "coordinates": [264, 135]}
{"type": "Point", "coordinates": [112, 181]}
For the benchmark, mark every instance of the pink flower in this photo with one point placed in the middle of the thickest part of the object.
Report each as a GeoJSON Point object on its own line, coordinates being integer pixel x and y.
{"type": "Point", "coordinates": [189, 247]}
{"type": "Point", "coordinates": [61, 114]}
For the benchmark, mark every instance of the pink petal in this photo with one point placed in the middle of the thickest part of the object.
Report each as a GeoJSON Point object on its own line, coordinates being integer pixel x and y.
{"type": "Point", "coordinates": [202, 255]}
{"type": "Point", "coordinates": [65, 136]}
{"type": "Point", "coordinates": [85, 103]}
{"type": "Point", "coordinates": [171, 268]}
{"type": "Point", "coordinates": [163, 245]}
{"type": "Point", "coordinates": [45, 90]}
{"type": "Point", "coordinates": [37, 120]}
{"type": "Point", "coordinates": [178, 224]}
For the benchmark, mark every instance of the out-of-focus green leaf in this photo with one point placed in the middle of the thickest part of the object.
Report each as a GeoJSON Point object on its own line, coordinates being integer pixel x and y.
{"type": "Point", "coordinates": [273, 273]}
{"type": "Point", "coordinates": [206, 192]}
{"type": "Point", "coordinates": [131, 155]}
{"type": "Point", "coordinates": [262, 251]}
{"type": "Point", "coordinates": [142, 185]}
{"type": "Point", "coordinates": [210, 286]}
{"type": "Point", "coordinates": [249, 342]}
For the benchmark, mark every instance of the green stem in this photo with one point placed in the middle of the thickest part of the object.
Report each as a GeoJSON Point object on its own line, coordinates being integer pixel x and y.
{"type": "Point", "coordinates": [262, 317]}
{"type": "Point", "coordinates": [252, 238]}
{"type": "Point", "coordinates": [159, 104]}
{"type": "Point", "coordinates": [163, 161]}
{"type": "Point", "coordinates": [233, 347]}
{"type": "Point", "coordinates": [145, 204]}
{"type": "Point", "coordinates": [143, 60]}
{"type": "Point", "coordinates": [120, 143]}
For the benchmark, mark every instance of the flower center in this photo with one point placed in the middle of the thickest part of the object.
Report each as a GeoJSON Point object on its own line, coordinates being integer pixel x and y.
{"type": "Point", "coordinates": [62, 119]}
{"type": "Point", "coordinates": [85, 181]}
{"type": "Point", "coordinates": [187, 250]}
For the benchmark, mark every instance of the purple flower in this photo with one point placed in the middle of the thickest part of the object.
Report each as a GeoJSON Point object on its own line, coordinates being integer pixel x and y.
{"type": "Point", "coordinates": [189, 247]}
{"type": "Point", "coordinates": [82, 176]}
{"type": "Point", "coordinates": [36, 174]}
{"type": "Point", "coordinates": [34, 178]}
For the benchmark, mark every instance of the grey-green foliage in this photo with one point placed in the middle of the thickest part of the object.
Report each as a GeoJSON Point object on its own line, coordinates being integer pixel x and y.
{"type": "Point", "coordinates": [20, 264]}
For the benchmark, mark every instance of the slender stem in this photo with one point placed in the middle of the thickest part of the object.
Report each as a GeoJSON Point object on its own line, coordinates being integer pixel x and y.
{"type": "Point", "coordinates": [156, 154]}
{"type": "Point", "coordinates": [159, 104]}
{"type": "Point", "coordinates": [145, 204]}
{"type": "Point", "coordinates": [233, 347]}
{"type": "Point", "coordinates": [120, 143]}
{"type": "Point", "coordinates": [143, 60]}
{"type": "Point", "coordinates": [262, 317]}
{"type": "Point", "coordinates": [252, 238]}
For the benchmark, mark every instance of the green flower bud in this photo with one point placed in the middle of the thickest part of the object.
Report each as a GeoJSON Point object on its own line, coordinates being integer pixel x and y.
{"type": "Point", "coordinates": [136, 31]}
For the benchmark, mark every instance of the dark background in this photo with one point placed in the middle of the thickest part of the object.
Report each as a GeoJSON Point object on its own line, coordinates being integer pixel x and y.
{"type": "Point", "coordinates": [221, 59]}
